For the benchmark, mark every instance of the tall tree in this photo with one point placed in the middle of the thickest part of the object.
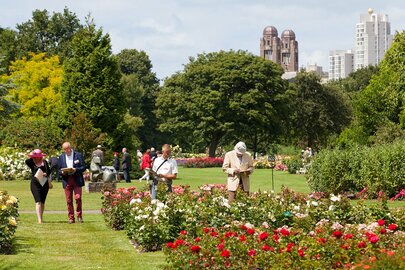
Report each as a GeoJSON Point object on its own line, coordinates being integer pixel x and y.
{"type": "Point", "coordinates": [317, 111]}
{"type": "Point", "coordinates": [92, 81]}
{"type": "Point", "coordinates": [220, 94]}
{"type": "Point", "coordinates": [35, 85]}
{"type": "Point", "coordinates": [8, 49]}
{"type": "Point", "coordinates": [45, 33]}
{"type": "Point", "coordinates": [141, 87]}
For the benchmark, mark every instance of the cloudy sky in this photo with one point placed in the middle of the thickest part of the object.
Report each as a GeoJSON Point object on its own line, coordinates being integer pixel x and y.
{"type": "Point", "coordinates": [170, 31]}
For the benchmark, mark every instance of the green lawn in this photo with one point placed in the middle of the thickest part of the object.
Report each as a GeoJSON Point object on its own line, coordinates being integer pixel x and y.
{"type": "Point", "coordinates": [92, 245]}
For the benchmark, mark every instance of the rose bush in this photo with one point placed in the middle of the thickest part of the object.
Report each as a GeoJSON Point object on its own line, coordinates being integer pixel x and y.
{"type": "Point", "coordinates": [8, 220]}
{"type": "Point", "coordinates": [150, 224]}
{"type": "Point", "coordinates": [12, 164]}
{"type": "Point", "coordinates": [205, 162]}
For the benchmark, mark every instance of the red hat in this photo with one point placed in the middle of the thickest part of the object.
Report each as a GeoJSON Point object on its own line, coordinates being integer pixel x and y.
{"type": "Point", "coordinates": [37, 153]}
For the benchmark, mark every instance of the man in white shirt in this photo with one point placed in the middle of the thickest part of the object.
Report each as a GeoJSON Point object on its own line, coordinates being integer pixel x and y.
{"type": "Point", "coordinates": [165, 169]}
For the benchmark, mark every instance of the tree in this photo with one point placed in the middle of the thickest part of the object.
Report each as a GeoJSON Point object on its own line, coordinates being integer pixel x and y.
{"type": "Point", "coordinates": [35, 85]}
{"type": "Point", "coordinates": [8, 50]}
{"type": "Point", "coordinates": [92, 81]}
{"type": "Point", "coordinates": [317, 111]}
{"type": "Point", "coordinates": [141, 87]}
{"type": "Point", "coordinates": [49, 34]}
{"type": "Point", "coordinates": [383, 100]}
{"type": "Point", "coordinates": [220, 94]}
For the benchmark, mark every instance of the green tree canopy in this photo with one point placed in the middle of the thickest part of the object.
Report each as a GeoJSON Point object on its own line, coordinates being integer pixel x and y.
{"type": "Point", "coordinates": [317, 111]}
{"type": "Point", "coordinates": [92, 81]}
{"type": "Point", "coordinates": [220, 94]}
{"type": "Point", "coordinates": [45, 33]}
{"type": "Point", "coordinates": [141, 87]}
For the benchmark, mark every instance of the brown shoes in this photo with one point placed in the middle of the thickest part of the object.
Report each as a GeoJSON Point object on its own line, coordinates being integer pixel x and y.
{"type": "Point", "coordinates": [70, 221]}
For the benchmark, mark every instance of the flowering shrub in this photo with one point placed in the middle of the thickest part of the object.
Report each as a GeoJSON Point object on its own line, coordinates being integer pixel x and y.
{"type": "Point", "coordinates": [8, 222]}
{"type": "Point", "coordinates": [327, 246]}
{"type": "Point", "coordinates": [202, 162]}
{"type": "Point", "coordinates": [12, 164]}
{"type": "Point", "coordinates": [263, 163]}
{"type": "Point", "coordinates": [151, 224]}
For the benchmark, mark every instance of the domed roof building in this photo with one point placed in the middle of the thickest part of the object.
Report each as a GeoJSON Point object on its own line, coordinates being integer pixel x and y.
{"type": "Point", "coordinates": [283, 51]}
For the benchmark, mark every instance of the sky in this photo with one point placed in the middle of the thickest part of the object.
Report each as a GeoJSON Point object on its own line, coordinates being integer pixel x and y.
{"type": "Point", "coordinates": [171, 31]}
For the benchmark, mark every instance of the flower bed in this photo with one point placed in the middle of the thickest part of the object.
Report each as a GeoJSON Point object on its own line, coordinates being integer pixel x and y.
{"type": "Point", "coordinates": [8, 222]}
{"type": "Point", "coordinates": [201, 162]}
{"type": "Point", "coordinates": [151, 224]}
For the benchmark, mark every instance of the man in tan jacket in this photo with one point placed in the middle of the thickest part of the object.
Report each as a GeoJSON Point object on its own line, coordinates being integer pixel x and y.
{"type": "Point", "coordinates": [238, 164]}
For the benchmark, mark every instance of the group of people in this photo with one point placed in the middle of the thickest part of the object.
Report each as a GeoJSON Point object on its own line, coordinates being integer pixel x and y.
{"type": "Point", "coordinates": [71, 167]}
{"type": "Point", "coordinates": [238, 165]}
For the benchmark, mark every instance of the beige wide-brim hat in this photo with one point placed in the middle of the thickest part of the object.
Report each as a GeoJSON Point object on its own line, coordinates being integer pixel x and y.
{"type": "Point", "coordinates": [240, 148]}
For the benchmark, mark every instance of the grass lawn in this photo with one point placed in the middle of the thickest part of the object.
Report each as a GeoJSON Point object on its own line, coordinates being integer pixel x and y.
{"type": "Point", "coordinates": [92, 245]}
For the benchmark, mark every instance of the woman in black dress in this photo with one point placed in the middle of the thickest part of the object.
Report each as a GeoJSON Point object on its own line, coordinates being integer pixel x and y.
{"type": "Point", "coordinates": [40, 180]}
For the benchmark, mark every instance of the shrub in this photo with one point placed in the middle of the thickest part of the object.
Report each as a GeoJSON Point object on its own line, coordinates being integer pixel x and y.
{"type": "Point", "coordinates": [8, 222]}
{"type": "Point", "coordinates": [294, 164]}
{"type": "Point", "coordinates": [378, 168]}
{"type": "Point", "coordinates": [12, 164]}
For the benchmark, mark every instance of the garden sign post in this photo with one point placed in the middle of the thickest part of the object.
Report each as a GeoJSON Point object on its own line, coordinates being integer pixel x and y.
{"type": "Point", "coordinates": [272, 160]}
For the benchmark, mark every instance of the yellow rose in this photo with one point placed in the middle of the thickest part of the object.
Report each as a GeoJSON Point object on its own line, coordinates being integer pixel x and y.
{"type": "Point", "coordinates": [12, 221]}
{"type": "Point", "coordinates": [13, 199]}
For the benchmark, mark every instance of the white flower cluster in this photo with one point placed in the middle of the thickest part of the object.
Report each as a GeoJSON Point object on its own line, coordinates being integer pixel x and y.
{"type": "Point", "coordinates": [153, 212]}
{"type": "Point", "coordinates": [12, 164]}
{"type": "Point", "coordinates": [221, 201]}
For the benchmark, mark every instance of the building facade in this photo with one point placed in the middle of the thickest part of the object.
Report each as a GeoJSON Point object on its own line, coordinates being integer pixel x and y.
{"type": "Point", "coordinates": [283, 51]}
{"type": "Point", "coordinates": [340, 64]}
{"type": "Point", "coordinates": [373, 39]}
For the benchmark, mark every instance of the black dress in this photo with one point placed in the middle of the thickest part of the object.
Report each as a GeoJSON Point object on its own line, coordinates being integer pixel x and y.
{"type": "Point", "coordinates": [39, 192]}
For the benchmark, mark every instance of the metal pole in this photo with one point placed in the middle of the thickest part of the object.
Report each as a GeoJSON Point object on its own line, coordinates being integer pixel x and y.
{"type": "Point", "coordinates": [272, 180]}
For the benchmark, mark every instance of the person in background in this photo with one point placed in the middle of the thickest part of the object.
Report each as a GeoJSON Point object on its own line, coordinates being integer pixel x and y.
{"type": "Point", "coordinates": [165, 169]}
{"type": "Point", "coordinates": [126, 165]}
{"type": "Point", "coordinates": [116, 165]}
{"type": "Point", "coordinates": [152, 153]}
{"type": "Point", "coordinates": [99, 153]}
{"type": "Point", "coordinates": [39, 187]}
{"type": "Point", "coordinates": [238, 165]}
{"type": "Point", "coordinates": [146, 165]}
{"type": "Point", "coordinates": [71, 167]}
{"type": "Point", "coordinates": [139, 156]}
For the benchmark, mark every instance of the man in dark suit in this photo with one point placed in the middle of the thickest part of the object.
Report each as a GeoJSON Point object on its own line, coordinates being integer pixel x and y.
{"type": "Point", "coordinates": [71, 167]}
{"type": "Point", "coordinates": [126, 164]}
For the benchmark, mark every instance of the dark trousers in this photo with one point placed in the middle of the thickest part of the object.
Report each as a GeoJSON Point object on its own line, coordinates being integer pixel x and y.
{"type": "Point", "coordinates": [126, 175]}
{"type": "Point", "coordinates": [69, 189]}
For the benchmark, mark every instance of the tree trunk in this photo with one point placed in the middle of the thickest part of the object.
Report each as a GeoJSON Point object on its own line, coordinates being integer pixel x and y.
{"type": "Point", "coordinates": [213, 145]}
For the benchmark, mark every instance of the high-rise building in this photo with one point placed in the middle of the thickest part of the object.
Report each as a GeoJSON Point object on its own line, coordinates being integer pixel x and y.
{"type": "Point", "coordinates": [340, 64]}
{"type": "Point", "coordinates": [283, 51]}
{"type": "Point", "coordinates": [373, 39]}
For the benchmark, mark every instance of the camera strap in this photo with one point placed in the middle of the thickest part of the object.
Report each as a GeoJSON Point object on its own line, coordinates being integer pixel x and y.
{"type": "Point", "coordinates": [161, 164]}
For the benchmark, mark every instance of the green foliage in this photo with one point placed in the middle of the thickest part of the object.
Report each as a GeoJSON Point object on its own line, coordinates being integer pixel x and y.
{"type": "Point", "coordinates": [8, 222]}
{"type": "Point", "coordinates": [92, 81]}
{"type": "Point", "coordinates": [378, 168]}
{"type": "Point", "coordinates": [35, 85]}
{"type": "Point", "coordinates": [83, 136]}
{"type": "Point", "coordinates": [317, 111]}
{"type": "Point", "coordinates": [28, 133]}
{"type": "Point", "coordinates": [221, 94]}
{"type": "Point", "coordinates": [7, 49]}
{"type": "Point", "coordinates": [383, 100]}
{"type": "Point", "coordinates": [294, 163]}
{"type": "Point", "coordinates": [141, 87]}
{"type": "Point", "coordinates": [49, 34]}
{"type": "Point", "coordinates": [356, 81]}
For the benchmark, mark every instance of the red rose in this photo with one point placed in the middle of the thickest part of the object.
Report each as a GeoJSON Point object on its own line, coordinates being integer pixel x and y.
{"type": "Point", "coordinates": [252, 253]}
{"type": "Point", "coordinates": [228, 234]}
{"type": "Point", "coordinates": [183, 232]}
{"type": "Point", "coordinates": [276, 237]}
{"type": "Point", "coordinates": [266, 247]}
{"type": "Point", "coordinates": [179, 242]}
{"type": "Point", "coordinates": [242, 238]}
{"type": "Point", "coordinates": [220, 246]}
{"type": "Point", "coordinates": [381, 222]}
{"type": "Point", "coordinates": [348, 236]}
{"type": "Point", "coordinates": [214, 234]}
{"type": "Point", "coordinates": [170, 245]}
{"type": "Point", "coordinates": [321, 240]}
{"type": "Point", "coordinates": [285, 232]}
{"type": "Point", "coordinates": [301, 253]}
{"type": "Point", "coordinates": [250, 231]}
{"type": "Point", "coordinates": [244, 227]}
{"type": "Point", "coordinates": [337, 234]}
{"type": "Point", "coordinates": [392, 227]}
{"type": "Point", "coordinates": [263, 236]}
{"type": "Point", "coordinates": [225, 253]}
{"type": "Point", "coordinates": [361, 244]}
{"type": "Point", "coordinates": [383, 231]}
{"type": "Point", "coordinates": [206, 230]}
{"type": "Point", "coordinates": [195, 249]}
{"type": "Point", "coordinates": [373, 239]}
